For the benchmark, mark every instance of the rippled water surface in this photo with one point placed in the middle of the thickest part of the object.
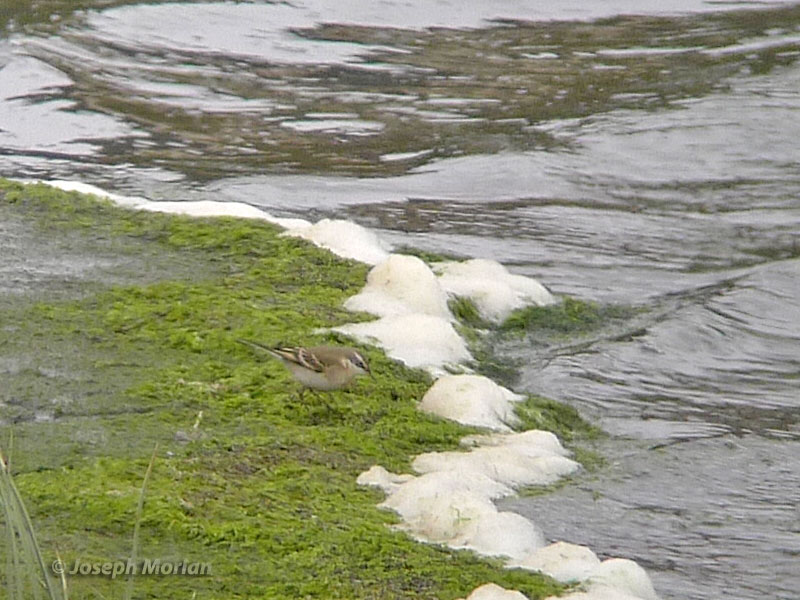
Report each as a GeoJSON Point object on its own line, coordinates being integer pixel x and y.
{"type": "Point", "coordinates": [648, 159]}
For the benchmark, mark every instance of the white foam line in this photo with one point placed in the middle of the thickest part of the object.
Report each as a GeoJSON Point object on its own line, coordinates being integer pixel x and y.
{"type": "Point", "coordinates": [450, 500]}
{"type": "Point", "coordinates": [343, 238]}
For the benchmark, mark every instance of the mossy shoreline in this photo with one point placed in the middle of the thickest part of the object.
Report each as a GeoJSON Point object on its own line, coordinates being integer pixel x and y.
{"type": "Point", "coordinates": [246, 479]}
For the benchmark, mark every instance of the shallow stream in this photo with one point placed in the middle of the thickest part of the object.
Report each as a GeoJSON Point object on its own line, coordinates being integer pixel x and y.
{"type": "Point", "coordinates": [650, 160]}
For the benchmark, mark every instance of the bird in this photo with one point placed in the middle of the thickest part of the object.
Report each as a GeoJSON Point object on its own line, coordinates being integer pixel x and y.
{"type": "Point", "coordinates": [323, 368]}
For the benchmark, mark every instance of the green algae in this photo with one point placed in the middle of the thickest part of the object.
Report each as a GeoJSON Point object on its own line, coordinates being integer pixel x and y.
{"type": "Point", "coordinates": [247, 479]}
{"type": "Point", "coordinates": [426, 255]}
{"type": "Point", "coordinates": [467, 313]}
{"type": "Point", "coordinates": [571, 317]}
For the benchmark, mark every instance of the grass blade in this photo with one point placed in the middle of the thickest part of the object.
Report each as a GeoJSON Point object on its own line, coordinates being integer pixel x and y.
{"type": "Point", "coordinates": [139, 511]}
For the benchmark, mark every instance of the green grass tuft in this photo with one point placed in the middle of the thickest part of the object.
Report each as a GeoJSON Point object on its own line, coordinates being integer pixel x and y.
{"type": "Point", "coordinates": [563, 420]}
{"type": "Point", "coordinates": [26, 573]}
{"type": "Point", "coordinates": [467, 313]}
{"type": "Point", "coordinates": [570, 316]}
{"type": "Point", "coordinates": [428, 256]}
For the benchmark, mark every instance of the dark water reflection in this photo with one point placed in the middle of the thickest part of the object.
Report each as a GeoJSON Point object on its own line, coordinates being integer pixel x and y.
{"type": "Point", "coordinates": [647, 160]}
{"type": "Point", "coordinates": [212, 89]}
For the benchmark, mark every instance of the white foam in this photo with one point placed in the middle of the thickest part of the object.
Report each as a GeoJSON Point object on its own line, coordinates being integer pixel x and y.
{"type": "Point", "coordinates": [199, 208]}
{"type": "Point", "coordinates": [411, 498]}
{"type": "Point", "coordinates": [456, 509]}
{"type": "Point", "coordinates": [614, 579]}
{"type": "Point", "coordinates": [85, 188]}
{"type": "Point", "coordinates": [344, 239]}
{"type": "Point", "coordinates": [623, 576]}
{"type": "Point", "coordinates": [401, 285]}
{"type": "Point", "coordinates": [421, 341]}
{"type": "Point", "coordinates": [564, 562]}
{"type": "Point", "coordinates": [472, 400]}
{"type": "Point", "coordinates": [448, 518]}
{"type": "Point", "coordinates": [379, 477]}
{"type": "Point", "coordinates": [513, 461]}
{"type": "Point", "coordinates": [492, 591]}
{"type": "Point", "coordinates": [503, 534]}
{"type": "Point", "coordinates": [495, 291]}
{"type": "Point", "coordinates": [451, 501]}
{"type": "Point", "coordinates": [289, 223]}
{"type": "Point", "coordinates": [207, 208]}
{"type": "Point", "coordinates": [544, 441]}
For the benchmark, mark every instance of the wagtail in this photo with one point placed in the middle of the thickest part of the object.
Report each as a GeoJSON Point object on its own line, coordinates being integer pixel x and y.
{"type": "Point", "coordinates": [324, 368]}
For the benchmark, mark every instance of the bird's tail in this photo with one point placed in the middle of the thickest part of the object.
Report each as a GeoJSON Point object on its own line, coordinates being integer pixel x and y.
{"type": "Point", "coordinates": [258, 346]}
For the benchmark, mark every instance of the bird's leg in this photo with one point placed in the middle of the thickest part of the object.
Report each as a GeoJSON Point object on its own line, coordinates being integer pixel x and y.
{"type": "Point", "coordinates": [323, 398]}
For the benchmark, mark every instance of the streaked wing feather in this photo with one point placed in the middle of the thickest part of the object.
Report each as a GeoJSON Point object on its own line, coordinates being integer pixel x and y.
{"type": "Point", "coordinates": [302, 357]}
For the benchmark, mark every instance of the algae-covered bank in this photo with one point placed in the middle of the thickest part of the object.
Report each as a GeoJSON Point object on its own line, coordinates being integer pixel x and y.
{"type": "Point", "coordinates": [117, 336]}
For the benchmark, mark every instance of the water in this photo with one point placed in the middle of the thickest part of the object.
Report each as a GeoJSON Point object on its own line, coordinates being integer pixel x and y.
{"type": "Point", "coordinates": [716, 518]}
{"type": "Point", "coordinates": [649, 160]}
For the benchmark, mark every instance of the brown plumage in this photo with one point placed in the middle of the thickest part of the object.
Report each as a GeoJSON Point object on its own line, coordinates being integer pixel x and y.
{"type": "Point", "coordinates": [324, 368]}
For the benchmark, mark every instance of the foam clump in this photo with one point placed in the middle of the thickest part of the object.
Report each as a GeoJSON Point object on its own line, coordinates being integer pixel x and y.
{"type": "Point", "coordinates": [543, 441]}
{"type": "Point", "coordinates": [615, 579]}
{"type": "Point", "coordinates": [379, 477]}
{"type": "Point", "coordinates": [621, 575]}
{"type": "Point", "coordinates": [564, 562]}
{"type": "Point", "coordinates": [495, 291]}
{"type": "Point", "coordinates": [419, 341]}
{"type": "Point", "coordinates": [401, 285]}
{"type": "Point", "coordinates": [492, 591]}
{"type": "Point", "coordinates": [512, 461]}
{"type": "Point", "coordinates": [412, 499]}
{"type": "Point", "coordinates": [507, 464]}
{"type": "Point", "coordinates": [472, 400]}
{"type": "Point", "coordinates": [456, 509]}
{"type": "Point", "coordinates": [344, 239]}
{"type": "Point", "coordinates": [519, 536]}
{"type": "Point", "coordinates": [451, 501]}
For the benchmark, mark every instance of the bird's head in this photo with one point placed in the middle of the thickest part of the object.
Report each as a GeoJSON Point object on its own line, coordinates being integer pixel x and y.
{"type": "Point", "coordinates": [359, 363]}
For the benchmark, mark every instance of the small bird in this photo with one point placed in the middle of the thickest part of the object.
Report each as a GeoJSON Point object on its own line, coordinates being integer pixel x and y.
{"type": "Point", "coordinates": [324, 368]}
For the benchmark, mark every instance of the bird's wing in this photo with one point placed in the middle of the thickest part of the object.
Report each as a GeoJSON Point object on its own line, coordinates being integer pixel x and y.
{"type": "Point", "coordinates": [301, 356]}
